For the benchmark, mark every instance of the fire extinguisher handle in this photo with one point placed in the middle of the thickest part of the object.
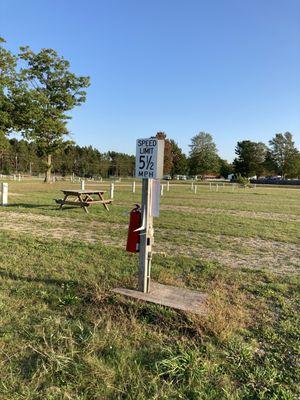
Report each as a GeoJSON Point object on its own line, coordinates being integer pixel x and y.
{"type": "Point", "coordinates": [141, 228]}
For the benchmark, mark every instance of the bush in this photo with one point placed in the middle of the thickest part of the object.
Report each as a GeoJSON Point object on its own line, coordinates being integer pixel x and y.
{"type": "Point", "coordinates": [244, 181]}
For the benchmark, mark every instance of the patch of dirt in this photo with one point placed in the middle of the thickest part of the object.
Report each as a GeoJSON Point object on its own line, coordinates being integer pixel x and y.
{"type": "Point", "coordinates": [241, 213]}
{"type": "Point", "coordinates": [45, 226]}
{"type": "Point", "coordinates": [232, 251]}
{"type": "Point", "coordinates": [14, 194]}
{"type": "Point", "coordinates": [235, 252]}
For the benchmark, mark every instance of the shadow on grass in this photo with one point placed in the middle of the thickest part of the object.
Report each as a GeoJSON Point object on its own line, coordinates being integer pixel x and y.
{"type": "Point", "coordinates": [51, 281]}
{"type": "Point", "coordinates": [45, 206]}
{"type": "Point", "coordinates": [28, 205]}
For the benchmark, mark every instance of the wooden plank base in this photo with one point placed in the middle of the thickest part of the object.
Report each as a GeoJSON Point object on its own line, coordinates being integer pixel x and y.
{"type": "Point", "coordinates": [170, 296]}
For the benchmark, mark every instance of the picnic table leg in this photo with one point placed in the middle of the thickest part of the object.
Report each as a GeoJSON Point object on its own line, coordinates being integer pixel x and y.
{"type": "Point", "coordinates": [63, 202]}
{"type": "Point", "coordinates": [83, 206]}
{"type": "Point", "coordinates": [104, 204]}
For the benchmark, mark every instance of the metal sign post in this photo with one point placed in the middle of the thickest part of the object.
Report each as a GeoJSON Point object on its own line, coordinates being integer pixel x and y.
{"type": "Point", "coordinates": [146, 238]}
{"type": "Point", "coordinates": [149, 166]}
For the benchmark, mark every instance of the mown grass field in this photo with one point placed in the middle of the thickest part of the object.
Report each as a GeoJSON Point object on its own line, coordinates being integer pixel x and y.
{"type": "Point", "coordinates": [65, 335]}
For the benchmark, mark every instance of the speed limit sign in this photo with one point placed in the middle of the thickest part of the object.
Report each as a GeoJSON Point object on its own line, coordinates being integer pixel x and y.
{"type": "Point", "coordinates": [149, 158]}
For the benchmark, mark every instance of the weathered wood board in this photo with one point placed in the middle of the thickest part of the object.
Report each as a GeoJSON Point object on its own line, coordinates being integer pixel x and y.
{"type": "Point", "coordinates": [170, 296]}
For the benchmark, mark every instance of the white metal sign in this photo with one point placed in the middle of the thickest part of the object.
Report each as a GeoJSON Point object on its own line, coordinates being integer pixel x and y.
{"type": "Point", "coordinates": [149, 158]}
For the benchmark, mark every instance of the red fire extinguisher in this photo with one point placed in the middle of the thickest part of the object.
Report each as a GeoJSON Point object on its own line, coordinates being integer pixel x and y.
{"type": "Point", "coordinates": [135, 221]}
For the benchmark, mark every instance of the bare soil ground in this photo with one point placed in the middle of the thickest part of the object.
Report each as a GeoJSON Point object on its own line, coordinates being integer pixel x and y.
{"type": "Point", "coordinates": [232, 251]}
{"type": "Point", "coordinates": [250, 214]}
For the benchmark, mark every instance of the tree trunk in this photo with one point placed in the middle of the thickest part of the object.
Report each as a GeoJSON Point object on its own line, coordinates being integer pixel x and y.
{"type": "Point", "coordinates": [48, 170]}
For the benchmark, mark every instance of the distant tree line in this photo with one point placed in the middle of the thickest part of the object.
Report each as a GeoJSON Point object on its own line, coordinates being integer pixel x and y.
{"type": "Point", "coordinates": [21, 156]}
{"type": "Point", "coordinates": [252, 159]}
{"type": "Point", "coordinates": [280, 158]}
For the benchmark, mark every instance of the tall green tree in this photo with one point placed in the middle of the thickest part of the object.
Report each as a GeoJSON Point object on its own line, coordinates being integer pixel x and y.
{"type": "Point", "coordinates": [51, 91]}
{"type": "Point", "coordinates": [203, 157]}
{"type": "Point", "coordinates": [8, 74]}
{"type": "Point", "coordinates": [179, 160]}
{"type": "Point", "coordinates": [250, 158]}
{"type": "Point", "coordinates": [270, 168]}
{"type": "Point", "coordinates": [284, 154]}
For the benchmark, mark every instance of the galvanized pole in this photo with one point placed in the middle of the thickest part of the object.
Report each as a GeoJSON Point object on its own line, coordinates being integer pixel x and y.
{"type": "Point", "coordinates": [146, 238]}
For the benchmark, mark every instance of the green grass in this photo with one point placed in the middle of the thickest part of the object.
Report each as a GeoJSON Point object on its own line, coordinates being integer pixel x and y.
{"type": "Point", "coordinates": [65, 335]}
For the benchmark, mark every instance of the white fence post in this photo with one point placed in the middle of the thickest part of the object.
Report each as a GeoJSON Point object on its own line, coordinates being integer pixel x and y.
{"type": "Point", "coordinates": [4, 194]}
{"type": "Point", "coordinates": [168, 186]}
{"type": "Point", "coordinates": [209, 185]}
{"type": "Point", "coordinates": [195, 189]}
{"type": "Point", "coordinates": [217, 187]}
{"type": "Point", "coordinates": [133, 187]}
{"type": "Point", "coordinates": [162, 189]}
{"type": "Point", "coordinates": [111, 190]}
{"type": "Point", "coordinates": [82, 185]}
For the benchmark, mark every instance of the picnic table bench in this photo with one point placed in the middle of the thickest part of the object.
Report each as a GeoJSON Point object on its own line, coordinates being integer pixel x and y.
{"type": "Point", "coordinates": [83, 198]}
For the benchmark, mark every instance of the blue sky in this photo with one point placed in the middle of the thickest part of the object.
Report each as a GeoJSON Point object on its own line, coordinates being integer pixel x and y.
{"type": "Point", "coordinates": [227, 67]}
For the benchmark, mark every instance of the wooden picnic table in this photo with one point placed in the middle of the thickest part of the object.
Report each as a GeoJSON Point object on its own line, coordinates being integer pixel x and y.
{"type": "Point", "coordinates": [83, 198]}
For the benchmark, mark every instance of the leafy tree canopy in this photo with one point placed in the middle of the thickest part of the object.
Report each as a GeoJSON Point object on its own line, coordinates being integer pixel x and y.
{"type": "Point", "coordinates": [7, 82]}
{"type": "Point", "coordinates": [284, 154]}
{"type": "Point", "coordinates": [51, 91]}
{"type": "Point", "coordinates": [179, 160]}
{"type": "Point", "coordinates": [251, 158]}
{"type": "Point", "coordinates": [203, 155]}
